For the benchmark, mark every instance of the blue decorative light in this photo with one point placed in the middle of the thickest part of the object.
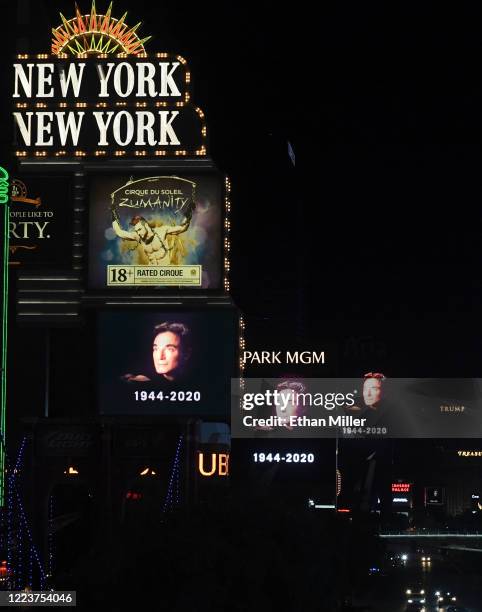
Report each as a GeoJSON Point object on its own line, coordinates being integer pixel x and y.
{"type": "Point", "coordinates": [32, 546]}
{"type": "Point", "coordinates": [174, 476]}
{"type": "Point", "coordinates": [15, 565]}
{"type": "Point", "coordinates": [177, 485]}
{"type": "Point", "coordinates": [30, 568]}
{"type": "Point", "coordinates": [10, 564]}
{"type": "Point", "coordinates": [3, 526]}
{"type": "Point", "coordinates": [19, 457]}
{"type": "Point", "coordinates": [20, 532]}
{"type": "Point", "coordinates": [20, 581]}
{"type": "Point", "coordinates": [51, 535]}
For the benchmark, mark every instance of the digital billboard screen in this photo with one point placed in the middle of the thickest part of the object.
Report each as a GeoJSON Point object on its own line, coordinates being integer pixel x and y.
{"type": "Point", "coordinates": [302, 468]}
{"type": "Point", "coordinates": [165, 362]}
{"type": "Point", "coordinates": [156, 231]}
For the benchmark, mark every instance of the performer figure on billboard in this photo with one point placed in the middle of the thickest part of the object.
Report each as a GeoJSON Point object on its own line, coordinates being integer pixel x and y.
{"type": "Point", "coordinates": [153, 240]}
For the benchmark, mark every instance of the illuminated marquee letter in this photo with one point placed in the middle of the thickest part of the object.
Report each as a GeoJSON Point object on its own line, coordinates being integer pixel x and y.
{"type": "Point", "coordinates": [166, 129]}
{"type": "Point", "coordinates": [69, 127]}
{"type": "Point", "coordinates": [104, 78]}
{"type": "Point", "coordinates": [223, 463]}
{"type": "Point", "coordinates": [43, 127]}
{"type": "Point", "coordinates": [166, 79]}
{"type": "Point", "coordinates": [145, 126]}
{"type": "Point", "coordinates": [73, 77]}
{"type": "Point", "coordinates": [118, 79]}
{"type": "Point", "coordinates": [145, 74]}
{"type": "Point", "coordinates": [25, 130]}
{"type": "Point", "coordinates": [45, 79]}
{"type": "Point", "coordinates": [24, 80]}
{"type": "Point", "coordinates": [128, 131]}
{"type": "Point", "coordinates": [103, 124]}
{"type": "Point", "coordinates": [202, 471]}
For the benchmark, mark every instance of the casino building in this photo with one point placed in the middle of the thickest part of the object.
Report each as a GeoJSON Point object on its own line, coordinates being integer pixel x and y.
{"type": "Point", "coordinates": [121, 288]}
{"type": "Point", "coordinates": [447, 477]}
{"type": "Point", "coordinates": [461, 465]}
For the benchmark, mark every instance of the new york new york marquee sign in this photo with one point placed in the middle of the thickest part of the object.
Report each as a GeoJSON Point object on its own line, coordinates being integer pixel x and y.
{"type": "Point", "coordinates": [100, 94]}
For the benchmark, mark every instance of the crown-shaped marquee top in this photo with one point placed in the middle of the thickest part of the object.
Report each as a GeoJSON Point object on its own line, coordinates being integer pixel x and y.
{"type": "Point", "coordinates": [94, 34]}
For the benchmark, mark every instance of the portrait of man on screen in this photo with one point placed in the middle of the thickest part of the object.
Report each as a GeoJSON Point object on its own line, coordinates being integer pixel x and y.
{"type": "Point", "coordinates": [171, 352]}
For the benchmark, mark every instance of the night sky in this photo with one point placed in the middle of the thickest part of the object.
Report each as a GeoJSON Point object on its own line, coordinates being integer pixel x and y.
{"type": "Point", "coordinates": [376, 232]}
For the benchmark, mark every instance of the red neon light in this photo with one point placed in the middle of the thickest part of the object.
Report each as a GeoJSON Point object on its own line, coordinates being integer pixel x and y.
{"type": "Point", "coordinates": [133, 495]}
{"type": "Point", "coordinates": [401, 487]}
{"type": "Point", "coordinates": [343, 510]}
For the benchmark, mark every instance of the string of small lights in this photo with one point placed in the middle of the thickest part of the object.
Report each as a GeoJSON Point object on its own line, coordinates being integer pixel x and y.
{"type": "Point", "coordinates": [10, 564]}
{"type": "Point", "coordinates": [13, 495]}
{"type": "Point", "coordinates": [177, 487]}
{"type": "Point", "coordinates": [3, 527]}
{"type": "Point", "coordinates": [14, 554]}
{"type": "Point", "coordinates": [33, 549]}
{"type": "Point", "coordinates": [16, 476]}
{"type": "Point", "coordinates": [20, 583]}
{"type": "Point", "coordinates": [30, 568]}
{"type": "Point", "coordinates": [51, 537]}
{"type": "Point", "coordinates": [227, 230]}
{"type": "Point", "coordinates": [174, 474]}
{"type": "Point", "coordinates": [169, 498]}
{"type": "Point", "coordinates": [19, 460]}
